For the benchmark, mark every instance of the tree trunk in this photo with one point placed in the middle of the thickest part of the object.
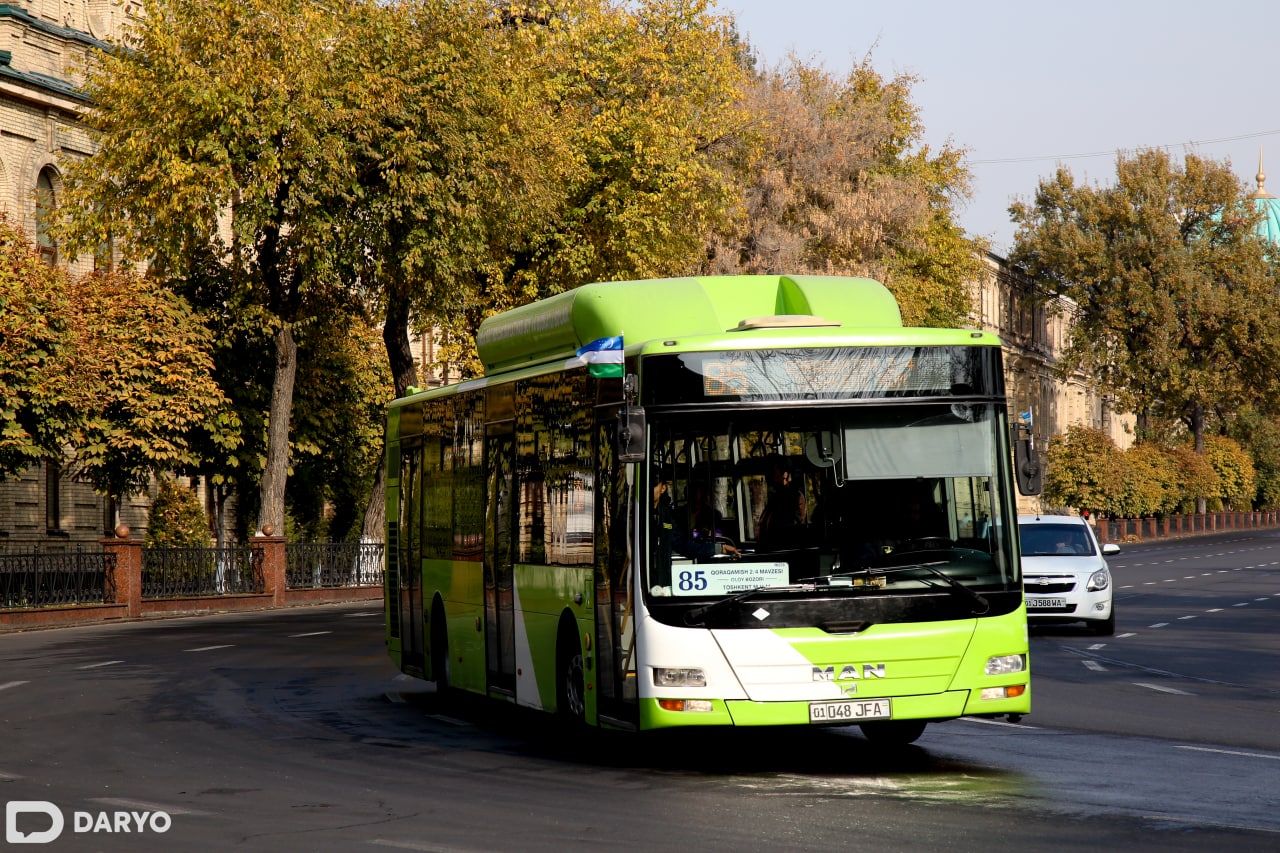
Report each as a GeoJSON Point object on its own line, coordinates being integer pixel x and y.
{"type": "Point", "coordinates": [1197, 432]}
{"type": "Point", "coordinates": [395, 334]}
{"type": "Point", "coordinates": [276, 471]}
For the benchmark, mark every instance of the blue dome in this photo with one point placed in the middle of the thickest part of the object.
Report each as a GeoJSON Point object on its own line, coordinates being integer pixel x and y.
{"type": "Point", "coordinates": [1269, 205]}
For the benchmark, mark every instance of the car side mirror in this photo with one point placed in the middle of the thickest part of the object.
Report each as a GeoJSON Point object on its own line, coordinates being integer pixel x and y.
{"type": "Point", "coordinates": [1110, 548]}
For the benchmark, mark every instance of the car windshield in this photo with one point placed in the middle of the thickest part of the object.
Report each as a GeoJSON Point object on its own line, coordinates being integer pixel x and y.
{"type": "Point", "coordinates": [1055, 540]}
{"type": "Point", "coordinates": [828, 499]}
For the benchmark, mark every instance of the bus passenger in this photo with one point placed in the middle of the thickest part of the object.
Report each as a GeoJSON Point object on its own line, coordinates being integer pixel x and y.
{"type": "Point", "coordinates": [702, 532]}
{"type": "Point", "coordinates": [784, 510]}
{"type": "Point", "coordinates": [663, 521]}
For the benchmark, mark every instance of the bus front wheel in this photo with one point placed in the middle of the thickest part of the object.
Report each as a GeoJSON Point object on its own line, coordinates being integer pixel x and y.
{"type": "Point", "coordinates": [570, 681]}
{"type": "Point", "coordinates": [892, 732]}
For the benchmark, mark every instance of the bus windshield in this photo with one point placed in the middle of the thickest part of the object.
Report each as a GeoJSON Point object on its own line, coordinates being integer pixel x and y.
{"type": "Point", "coordinates": [829, 501]}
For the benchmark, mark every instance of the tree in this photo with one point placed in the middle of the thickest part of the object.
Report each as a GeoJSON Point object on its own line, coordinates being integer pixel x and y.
{"type": "Point", "coordinates": [144, 384]}
{"type": "Point", "coordinates": [1261, 435]}
{"type": "Point", "coordinates": [1083, 469]}
{"type": "Point", "coordinates": [38, 410]}
{"type": "Point", "coordinates": [216, 137]}
{"type": "Point", "coordinates": [1149, 482]}
{"type": "Point", "coordinates": [1179, 299]}
{"type": "Point", "coordinates": [176, 519]}
{"type": "Point", "coordinates": [108, 373]}
{"type": "Point", "coordinates": [837, 182]}
{"type": "Point", "coordinates": [507, 153]}
{"type": "Point", "coordinates": [339, 421]}
{"type": "Point", "coordinates": [1237, 479]}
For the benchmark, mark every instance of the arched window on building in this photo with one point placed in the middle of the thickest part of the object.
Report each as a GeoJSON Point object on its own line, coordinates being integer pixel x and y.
{"type": "Point", "coordinates": [46, 205]}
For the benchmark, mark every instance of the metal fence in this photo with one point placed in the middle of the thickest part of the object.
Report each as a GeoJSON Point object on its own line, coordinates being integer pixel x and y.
{"type": "Point", "coordinates": [314, 565]}
{"type": "Point", "coordinates": [37, 578]}
{"type": "Point", "coordinates": [174, 572]}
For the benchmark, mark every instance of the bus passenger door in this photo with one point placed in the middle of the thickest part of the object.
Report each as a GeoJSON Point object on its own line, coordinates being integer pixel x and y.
{"type": "Point", "coordinates": [614, 605]}
{"type": "Point", "coordinates": [410, 560]}
{"type": "Point", "coordinates": [499, 593]}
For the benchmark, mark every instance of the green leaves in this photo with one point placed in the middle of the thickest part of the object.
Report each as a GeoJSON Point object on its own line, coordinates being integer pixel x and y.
{"type": "Point", "coordinates": [834, 179]}
{"type": "Point", "coordinates": [111, 369]}
{"type": "Point", "coordinates": [1179, 301]}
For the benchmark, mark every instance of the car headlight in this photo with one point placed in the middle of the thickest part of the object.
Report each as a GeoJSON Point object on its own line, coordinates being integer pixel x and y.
{"type": "Point", "coordinates": [1006, 664]}
{"type": "Point", "coordinates": [672, 677]}
{"type": "Point", "coordinates": [1100, 579]}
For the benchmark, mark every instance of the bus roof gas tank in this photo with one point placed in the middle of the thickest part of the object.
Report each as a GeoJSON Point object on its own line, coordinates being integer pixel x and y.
{"type": "Point", "coordinates": [557, 327]}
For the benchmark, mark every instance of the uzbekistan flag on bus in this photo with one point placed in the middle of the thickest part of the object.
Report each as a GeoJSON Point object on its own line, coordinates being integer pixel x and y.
{"type": "Point", "coordinates": [603, 358]}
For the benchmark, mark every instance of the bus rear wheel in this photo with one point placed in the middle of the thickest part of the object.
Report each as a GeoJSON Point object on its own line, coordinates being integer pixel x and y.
{"type": "Point", "coordinates": [893, 732]}
{"type": "Point", "coordinates": [571, 693]}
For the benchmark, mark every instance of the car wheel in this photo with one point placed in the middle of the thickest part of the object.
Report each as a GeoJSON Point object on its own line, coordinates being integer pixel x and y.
{"type": "Point", "coordinates": [893, 732]}
{"type": "Point", "coordinates": [1105, 627]}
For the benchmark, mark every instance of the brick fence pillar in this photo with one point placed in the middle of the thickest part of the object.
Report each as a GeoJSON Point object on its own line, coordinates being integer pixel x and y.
{"type": "Point", "coordinates": [273, 564]}
{"type": "Point", "coordinates": [128, 570]}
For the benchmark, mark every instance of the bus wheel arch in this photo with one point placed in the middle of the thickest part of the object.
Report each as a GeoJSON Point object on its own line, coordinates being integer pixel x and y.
{"type": "Point", "coordinates": [571, 693]}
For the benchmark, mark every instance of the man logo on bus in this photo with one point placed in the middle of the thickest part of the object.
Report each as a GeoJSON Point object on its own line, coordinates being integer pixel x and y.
{"type": "Point", "coordinates": [849, 670]}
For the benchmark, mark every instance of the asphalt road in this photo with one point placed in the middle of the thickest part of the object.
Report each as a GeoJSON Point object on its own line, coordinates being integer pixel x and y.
{"type": "Point", "coordinates": [290, 730]}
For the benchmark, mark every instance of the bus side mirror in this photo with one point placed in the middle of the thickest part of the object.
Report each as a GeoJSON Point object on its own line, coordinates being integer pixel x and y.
{"type": "Point", "coordinates": [631, 434]}
{"type": "Point", "coordinates": [1026, 467]}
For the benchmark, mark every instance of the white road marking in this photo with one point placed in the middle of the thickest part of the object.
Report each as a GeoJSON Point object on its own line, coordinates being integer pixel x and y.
{"type": "Point", "coordinates": [1231, 752]}
{"type": "Point", "coordinates": [1097, 646]}
{"type": "Point", "coordinates": [421, 846]}
{"type": "Point", "coordinates": [1175, 691]}
{"type": "Point", "coordinates": [1094, 665]}
{"type": "Point", "coordinates": [357, 615]}
{"type": "Point", "coordinates": [1158, 625]}
{"type": "Point", "coordinates": [143, 806]}
{"type": "Point", "coordinates": [96, 665]}
{"type": "Point", "coordinates": [211, 648]}
{"type": "Point", "coordinates": [9, 684]}
{"type": "Point", "coordinates": [1214, 610]}
{"type": "Point", "coordinates": [1123, 636]}
{"type": "Point", "coordinates": [1181, 618]}
{"type": "Point", "coordinates": [311, 634]}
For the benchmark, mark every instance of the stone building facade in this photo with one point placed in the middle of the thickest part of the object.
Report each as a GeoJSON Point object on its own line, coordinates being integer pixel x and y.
{"type": "Point", "coordinates": [43, 47]}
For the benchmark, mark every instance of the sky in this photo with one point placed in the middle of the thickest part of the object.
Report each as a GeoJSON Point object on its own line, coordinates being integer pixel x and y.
{"type": "Point", "coordinates": [1026, 86]}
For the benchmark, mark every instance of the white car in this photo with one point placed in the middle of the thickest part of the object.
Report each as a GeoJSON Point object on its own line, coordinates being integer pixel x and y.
{"type": "Point", "coordinates": [1064, 572]}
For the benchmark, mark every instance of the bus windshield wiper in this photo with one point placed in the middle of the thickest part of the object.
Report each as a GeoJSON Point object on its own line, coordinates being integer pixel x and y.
{"type": "Point", "coordinates": [698, 614]}
{"type": "Point", "coordinates": [952, 584]}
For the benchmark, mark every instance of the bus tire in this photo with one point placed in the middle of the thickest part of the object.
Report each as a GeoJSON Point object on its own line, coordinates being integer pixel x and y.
{"type": "Point", "coordinates": [439, 650]}
{"type": "Point", "coordinates": [571, 693]}
{"type": "Point", "coordinates": [892, 732]}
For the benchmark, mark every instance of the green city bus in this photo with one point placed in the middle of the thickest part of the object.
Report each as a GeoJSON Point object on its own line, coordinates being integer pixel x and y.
{"type": "Point", "coordinates": [728, 501]}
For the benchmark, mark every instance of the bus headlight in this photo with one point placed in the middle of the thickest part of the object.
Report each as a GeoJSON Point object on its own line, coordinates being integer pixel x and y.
{"type": "Point", "coordinates": [670, 677]}
{"type": "Point", "coordinates": [1006, 664]}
